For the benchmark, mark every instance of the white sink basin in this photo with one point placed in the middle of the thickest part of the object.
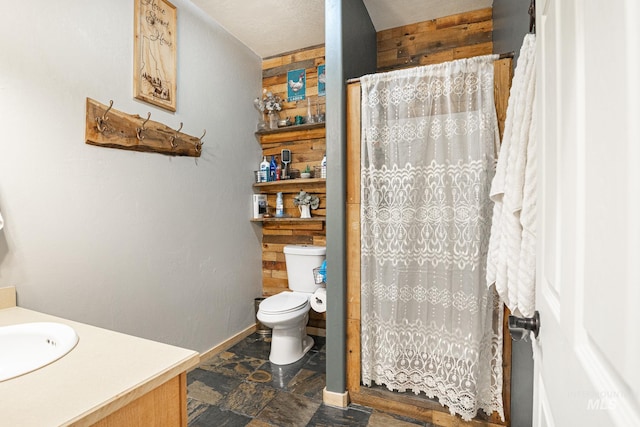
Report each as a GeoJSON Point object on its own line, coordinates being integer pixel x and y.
{"type": "Point", "coordinates": [26, 347]}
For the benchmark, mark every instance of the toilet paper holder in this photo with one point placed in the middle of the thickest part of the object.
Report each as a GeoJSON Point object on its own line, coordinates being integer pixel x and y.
{"type": "Point", "coordinates": [319, 300]}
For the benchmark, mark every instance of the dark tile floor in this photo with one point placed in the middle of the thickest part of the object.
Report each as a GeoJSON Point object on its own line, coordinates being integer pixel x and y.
{"type": "Point", "coordinates": [240, 387]}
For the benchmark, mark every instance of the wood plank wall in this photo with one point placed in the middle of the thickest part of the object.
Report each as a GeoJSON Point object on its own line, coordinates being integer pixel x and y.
{"type": "Point", "coordinates": [307, 148]}
{"type": "Point", "coordinates": [274, 77]}
{"type": "Point", "coordinates": [444, 39]}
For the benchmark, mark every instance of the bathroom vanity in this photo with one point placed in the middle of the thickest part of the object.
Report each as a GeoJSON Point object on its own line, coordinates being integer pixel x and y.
{"type": "Point", "coordinates": [108, 379]}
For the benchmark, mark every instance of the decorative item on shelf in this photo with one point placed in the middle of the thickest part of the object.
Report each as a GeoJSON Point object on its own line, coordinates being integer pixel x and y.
{"type": "Point", "coordinates": [274, 117]}
{"type": "Point", "coordinates": [305, 202]}
{"type": "Point", "coordinates": [321, 115]}
{"type": "Point", "coordinates": [259, 105]}
{"type": "Point", "coordinates": [270, 104]}
{"type": "Point", "coordinates": [299, 120]}
{"type": "Point", "coordinates": [310, 117]}
{"type": "Point", "coordinates": [294, 173]}
{"type": "Point", "coordinates": [306, 173]}
{"type": "Point", "coordinates": [282, 123]}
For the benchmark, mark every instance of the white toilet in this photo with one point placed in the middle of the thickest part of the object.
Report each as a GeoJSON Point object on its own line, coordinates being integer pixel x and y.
{"type": "Point", "coordinates": [287, 312]}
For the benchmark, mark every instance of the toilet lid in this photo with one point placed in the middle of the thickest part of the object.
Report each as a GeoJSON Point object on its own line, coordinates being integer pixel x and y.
{"type": "Point", "coordinates": [284, 302]}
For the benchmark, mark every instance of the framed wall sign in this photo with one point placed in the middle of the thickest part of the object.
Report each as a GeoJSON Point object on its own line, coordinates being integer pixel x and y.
{"type": "Point", "coordinates": [296, 84]}
{"type": "Point", "coordinates": [322, 79]}
{"type": "Point", "coordinates": [154, 74]}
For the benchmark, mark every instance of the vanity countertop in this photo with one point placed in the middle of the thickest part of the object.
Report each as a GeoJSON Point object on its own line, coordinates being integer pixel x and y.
{"type": "Point", "coordinates": [103, 373]}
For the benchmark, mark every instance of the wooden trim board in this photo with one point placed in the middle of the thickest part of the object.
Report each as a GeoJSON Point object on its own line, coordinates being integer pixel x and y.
{"type": "Point", "coordinates": [227, 343]}
{"type": "Point", "coordinates": [331, 398]}
{"type": "Point", "coordinates": [7, 297]}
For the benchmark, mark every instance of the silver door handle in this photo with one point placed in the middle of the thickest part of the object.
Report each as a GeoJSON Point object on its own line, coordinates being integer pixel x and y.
{"type": "Point", "coordinates": [519, 325]}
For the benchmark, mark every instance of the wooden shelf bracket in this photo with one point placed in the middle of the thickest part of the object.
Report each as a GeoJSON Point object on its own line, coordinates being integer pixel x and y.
{"type": "Point", "coordinates": [108, 127]}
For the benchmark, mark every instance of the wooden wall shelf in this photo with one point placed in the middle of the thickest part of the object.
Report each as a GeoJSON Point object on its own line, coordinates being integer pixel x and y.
{"type": "Point", "coordinates": [272, 219]}
{"type": "Point", "coordinates": [292, 133]}
{"type": "Point", "coordinates": [291, 185]}
{"type": "Point", "coordinates": [291, 128]}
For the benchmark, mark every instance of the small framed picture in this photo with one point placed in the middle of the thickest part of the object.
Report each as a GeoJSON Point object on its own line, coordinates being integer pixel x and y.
{"type": "Point", "coordinates": [321, 81]}
{"type": "Point", "coordinates": [155, 57]}
{"type": "Point", "coordinates": [296, 85]}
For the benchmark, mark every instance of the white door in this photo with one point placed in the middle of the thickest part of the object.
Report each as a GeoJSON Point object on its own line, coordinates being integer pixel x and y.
{"type": "Point", "coordinates": [587, 357]}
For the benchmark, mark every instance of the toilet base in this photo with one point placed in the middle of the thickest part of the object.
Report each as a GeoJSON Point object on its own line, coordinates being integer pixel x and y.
{"type": "Point", "coordinates": [287, 349]}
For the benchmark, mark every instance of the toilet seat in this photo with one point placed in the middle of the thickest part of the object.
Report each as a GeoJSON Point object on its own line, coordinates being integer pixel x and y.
{"type": "Point", "coordinates": [284, 302]}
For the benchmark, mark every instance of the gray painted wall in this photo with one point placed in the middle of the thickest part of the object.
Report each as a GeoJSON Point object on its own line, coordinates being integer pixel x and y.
{"type": "Point", "coordinates": [350, 51]}
{"type": "Point", "coordinates": [510, 24]}
{"type": "Point", "coordinates": [151, 245]}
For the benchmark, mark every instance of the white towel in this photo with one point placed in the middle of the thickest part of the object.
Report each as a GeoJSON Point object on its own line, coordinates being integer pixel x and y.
{"type": "Point", "coordinates": [526, 284]}
{"type": "Point", "coordinates": [513, 192]}
{"type": "Point", "coordinates": [1, 222]}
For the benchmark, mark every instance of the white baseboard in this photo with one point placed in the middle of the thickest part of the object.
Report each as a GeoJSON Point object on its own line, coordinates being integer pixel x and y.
{"type": "Point", "coordinates": [331, 398]}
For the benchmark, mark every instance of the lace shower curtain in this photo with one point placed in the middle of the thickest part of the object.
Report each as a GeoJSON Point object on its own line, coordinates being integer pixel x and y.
{"type": "Point", "coordinates": [429, 322]}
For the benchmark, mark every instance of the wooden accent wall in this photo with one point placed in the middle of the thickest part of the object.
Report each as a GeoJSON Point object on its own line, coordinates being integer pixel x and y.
{"type": "Point", "coordinates": [307, 145]}
{"type": "Point", "coordinates": [444, 39]}
{"type": "Point", "coordinates": [274, 77]}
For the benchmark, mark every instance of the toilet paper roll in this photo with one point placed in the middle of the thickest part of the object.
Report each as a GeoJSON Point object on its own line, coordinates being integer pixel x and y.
{"type": "Point", "coordinates": [319, 300]}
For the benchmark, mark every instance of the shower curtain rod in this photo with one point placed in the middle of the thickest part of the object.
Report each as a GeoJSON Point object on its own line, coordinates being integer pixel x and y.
{"type": "Point", "coordinates": [501, 56]}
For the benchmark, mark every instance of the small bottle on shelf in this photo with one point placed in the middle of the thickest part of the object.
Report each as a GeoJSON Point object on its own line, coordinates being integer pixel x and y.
{"type": "Point", "coordinates": [279, 206]}
{"type": "Point", "coordinates": [264, 170]}
{"type": "Point", "coordinates": [272, 169]}
{"type": "Point", "coordinates": [323, 167]}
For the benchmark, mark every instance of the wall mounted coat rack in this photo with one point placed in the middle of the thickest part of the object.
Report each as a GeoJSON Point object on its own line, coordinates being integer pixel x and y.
{"type": "Point", "coordinates": [108, 127]}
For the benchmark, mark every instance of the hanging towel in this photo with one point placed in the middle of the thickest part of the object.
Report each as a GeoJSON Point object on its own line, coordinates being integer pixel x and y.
{"type": "Point", "coordinates": [511, 257]}
{"type": "Point", "coordinates": [1, 222]}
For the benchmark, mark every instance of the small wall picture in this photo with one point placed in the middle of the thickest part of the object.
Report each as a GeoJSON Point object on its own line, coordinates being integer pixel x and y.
{"type": "Point", "coordinates": [296, 84]}
{"type": "Point", "coordinates": [321, 81]}
{"type": "Point", "coordinates": [154, 79]}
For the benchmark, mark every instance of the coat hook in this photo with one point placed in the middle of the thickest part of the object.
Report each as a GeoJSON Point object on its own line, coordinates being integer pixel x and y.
{"type": "Point", "coordinates": [174, 137]}
{"type": "Point", "coordinates": [139, 130]}
{"type": "Point", "coordinates": [199, 144]}
{"type": "Point", "coordinates": [101, 121]}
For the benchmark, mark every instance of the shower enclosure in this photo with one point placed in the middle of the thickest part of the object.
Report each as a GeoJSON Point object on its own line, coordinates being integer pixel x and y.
{"type": "Point", "coordinates": [357, 371]}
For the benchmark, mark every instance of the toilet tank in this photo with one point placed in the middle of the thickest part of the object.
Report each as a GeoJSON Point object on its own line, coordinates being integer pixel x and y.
{"type": "Point", "coordinates": [301, 260]}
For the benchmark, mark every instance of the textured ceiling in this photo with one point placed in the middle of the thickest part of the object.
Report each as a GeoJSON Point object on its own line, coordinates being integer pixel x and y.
{"type": "Point", "coordinates": [271, 27]}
